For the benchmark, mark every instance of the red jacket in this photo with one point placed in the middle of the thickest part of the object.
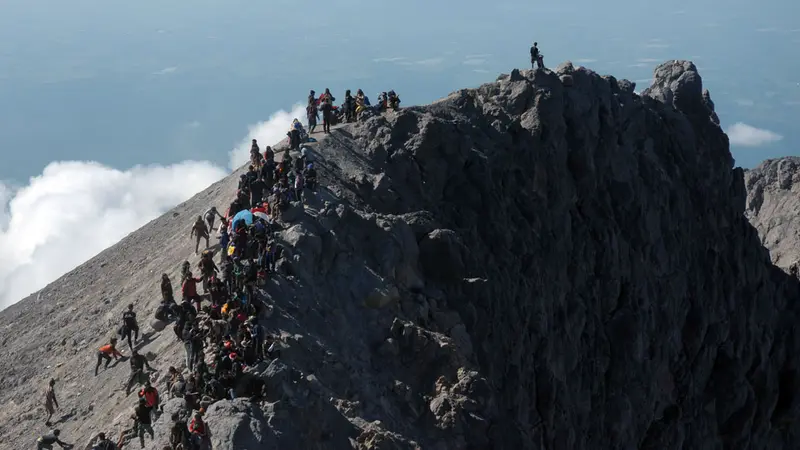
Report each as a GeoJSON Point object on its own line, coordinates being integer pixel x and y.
{"type": "Point", "coordinates": [150, 397]}
{"type": "Point", "coordinates": [197, 427]}
{"type": "Point", "coordinates": [189, 288]}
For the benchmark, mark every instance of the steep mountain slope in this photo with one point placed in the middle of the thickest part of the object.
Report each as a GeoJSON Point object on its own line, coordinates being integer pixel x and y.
{"type": "Point", "coordinates": [546, 261]}
{"type": "Point", "coordinates": [773, 207]}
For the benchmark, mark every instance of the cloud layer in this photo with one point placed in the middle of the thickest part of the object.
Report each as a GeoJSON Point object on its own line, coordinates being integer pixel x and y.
{"type": "Point", "coordinates": [76, 209]}
{"type": "Point", "coordinates": [745, 135]}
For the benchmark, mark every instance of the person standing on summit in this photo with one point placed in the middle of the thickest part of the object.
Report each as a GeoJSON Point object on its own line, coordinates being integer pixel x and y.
{"type": "Point", "coordinates": [326, 101]}
{"type": "Point", "coordinates": [536, 56]}
{"type": "Point", "coordinates": [200, 231]}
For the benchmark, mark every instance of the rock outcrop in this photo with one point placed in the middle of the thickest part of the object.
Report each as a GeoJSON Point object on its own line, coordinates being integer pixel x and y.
{"type": "Point", "coordinates": [547, 261]}
{"type": "Point", "coordinates": [773, 207]}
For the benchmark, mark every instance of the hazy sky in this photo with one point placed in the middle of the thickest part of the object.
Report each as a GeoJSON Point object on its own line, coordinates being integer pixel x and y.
{"type": "Point", "coordinates": [159, 83]}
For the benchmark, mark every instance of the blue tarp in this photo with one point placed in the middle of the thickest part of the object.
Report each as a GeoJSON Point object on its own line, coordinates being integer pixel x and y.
{"type": "Point", "coordinates": [245, 215]}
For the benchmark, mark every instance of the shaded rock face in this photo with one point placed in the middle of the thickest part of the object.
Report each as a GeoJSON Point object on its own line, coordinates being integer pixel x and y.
{"type": "Point", "coordinates": [546, 261]}
{"type": "Point", "coordinates": [773, 207]}
{"type": "Point", "coordinates": [621, 297]}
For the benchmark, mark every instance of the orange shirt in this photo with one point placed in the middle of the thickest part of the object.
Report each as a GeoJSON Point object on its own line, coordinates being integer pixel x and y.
{"type": "Point", "coordinates": [110, 350]}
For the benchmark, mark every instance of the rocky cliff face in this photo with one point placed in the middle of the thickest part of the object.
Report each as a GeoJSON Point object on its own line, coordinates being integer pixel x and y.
{"type": "Point", "coordinates": [547, 261]}
{"type": "Point", "coordinates": [773, 207]}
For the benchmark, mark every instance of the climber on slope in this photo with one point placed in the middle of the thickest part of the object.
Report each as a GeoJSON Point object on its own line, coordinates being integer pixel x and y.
{"type": "Point", "coordinates": [179, 436]}
{"type": "Point", "coordinates": [100, 442]}
{"type": "Point", "coordinates": [189, 290]}
{"type": "Point", "coordinates": [200, 231]}
{"type": "Point", "coordinates": [129, 326]}
{"type": "Point", "coordinates": [105, 353]}
{"type": "Point", "coordinates": [46, 442]}
{"type": "Point", "coordinates": [138, 364]}
{"type": "Point", "coordinates": [166, 288]}
{"type": "Point", "coordinates": [50, 401]}
{"type": "Point", "coordinates": [150, 395]}
{"type": "Point", "coordinates": [142, 416]}
{"type": "Point", "coordinates": [207, 269]}
{"type": "Point", "coordinates": [210, 216]}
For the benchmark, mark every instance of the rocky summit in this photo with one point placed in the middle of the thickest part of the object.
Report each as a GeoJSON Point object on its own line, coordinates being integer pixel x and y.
{"type": "Point", "coordinates": [550, 260]}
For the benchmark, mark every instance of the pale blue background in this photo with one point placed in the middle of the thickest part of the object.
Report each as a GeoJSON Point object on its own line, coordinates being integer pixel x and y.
{"type": "Point", "coordinates": [85, 79]}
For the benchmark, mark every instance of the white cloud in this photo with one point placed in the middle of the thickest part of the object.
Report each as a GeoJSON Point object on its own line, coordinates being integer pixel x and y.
{"type": "Point", "coordinates": [656, 45]}
{"type": "Point", "coordinates": [479, 55]}
{"type": "Point", "coordinates": [744, 102]}
{"type": "Point", "coordinates": [429, 62]}
{"type": "Point", "coordinates": [269, 132]}
{"type": "Point", "coordinates": [745, 135]}
{"type": "Point", "coordinates": [193, 124]}
{"type": "Point", "coordinates": [648, 60]}
{"type": "Point", "coordinates": [393, 59]}
{"type": "Point", "coordinates": [166, 71]}
{"type": "Point", "coordinates": [585, 60]}
{"type": "Point", "coordinates": [480, 70]}
{"type": "Point", "coordinates": [474, 62]}
{"type": "Point", "coordinates": [75, 209]}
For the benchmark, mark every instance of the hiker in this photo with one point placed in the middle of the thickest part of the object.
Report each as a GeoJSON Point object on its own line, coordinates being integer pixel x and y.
{"type": "Point", "coordinates": [166, 288]}
{"type": "Point", "coordinates": [327, 110]}
{"type": "Point", "coordinates": [210, 216]}
{"type": "Point", "coordinates": [257, 188]}
{"type": "Point", "coordinates": [106, 352]}
{"type": "Point", "coordinates": [187, 337]}
{"type": "Point", "coordinates": [224, 240]}
{"type": "Point", "coordinates": [207, 269]}
{"type": "Point", "coordinates": [50, 402]}
{"type": "Point", "coordinates": [310, 176]}
{"type": "Point", "coordinates": [393, 101]}
{"type": "Point", "coordinates": [189, 290]}
{"type": "Point", "coordinates": [360, 103]}
{"type": "Point", "coordinates": [100, 442]}
{"type": "Point", "coordinates": [312, 97]}
{"type": "Point", "coordinates": [298, 185]}
{"type": "Point", "coordinates": [199, 230]}
{"type": "Point", "coordinates": [150, 396]}
{"type": "Point", "coordinates": [186, 268]}
{"type": "Point", "coordinates": [129, 326]}
{"type": "Point", "coordinates": [198, 429]}
{"type": "Point", "coordinates": [142, 416]}
{"type": "Point", "coordinates": [536, 56]}
{"type": "Point", "coordinates": [46, 442]}
{"type": "Point", "coordinates": [179, 436]}
{"type": "Point", "coordinates": [138, 364]}
{"type": "Point", "coordinates": [312, 114]}
{"type": "Point", "coordinates": [348, 106]}
{"type": "Point", "coordinates": [129, 434]}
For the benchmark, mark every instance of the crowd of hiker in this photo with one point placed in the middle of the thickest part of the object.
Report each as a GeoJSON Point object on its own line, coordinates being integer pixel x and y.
{"type": "Point", "coordinates": [349, 111]}
{"type": "Point", "coordinates": [220, 329]}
